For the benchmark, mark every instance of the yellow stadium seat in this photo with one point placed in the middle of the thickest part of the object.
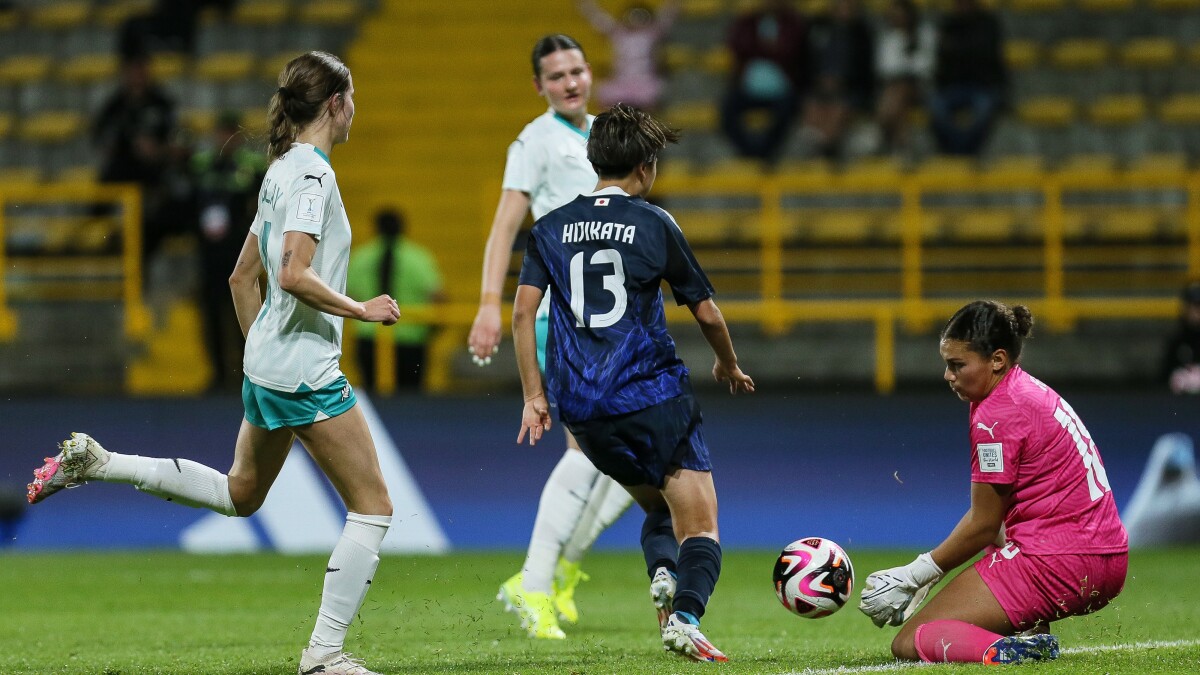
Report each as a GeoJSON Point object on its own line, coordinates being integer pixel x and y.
{"type": "Point", "coordinates": [271, 68]}
{"type": "Point", "coordinates": [932, 225]}
{"type": "Point", "coordinates": [254, 122]}
{"type": "Point", "coordinates": [198, 122]}
{"type": "Point", "coordinates": [1175, 5]}
{"type": "Point", "coordinates": [76, 175]}
{"type": "Point", "coordinates": [6, 124]}
{"type": "Point", "coordinates": [1156, 52]}
{"type": "Point", "coordinates": [735, 167]}
{"type": "Point", "coordinates": [1127, 224]}
{"type": "Point", "coordinates": [700, 116]}
{"type": "Point", "coordinates": [1078, 54]}
{"type": "Point", "coordinates": [9, 19]}
{"type": "Point", "coordinates": [116, 12]}
{"type": "Point", "coordinates": [982, 225]}
{"type": "Point", "coordinates": [716, 61]}
{"type": "Point", "coordinates": [51, 127]}
{"type": "Point", "coordinates": [843, 226]}
{"type": "Point", "coordinates": [330, 12]}
{"type": "Point", "coordinates": [260, 12]}
{"type": "Point", "coordinates": [706, 227]}
{"type": "Point", "coordinates": [678, 57]}
{"type": "Point", "coordinates": [168, 65]}
{"type": "Point", "coordinates": [1099, 6]}
{"type": "Point", "coordinates": [1122, 110]}
{"type": "Point", "coordinates": [24, 69]}
{"type": "Point", "coordinates": [225, 66]}
{"type": "Point", "coordinates": [87, 68]}
{"type": "Point", "coordinates": [20, 178]}
{"type": "Point", "coordinates": [60, 15]}
{"type": "Point", "coordinates": [1021, 54]}
{"type": "Point", "coordinates": [1181, 109]}
{"type": "Point", "coordinates": [1047, 111]}
{"type": "Point", "coordinates": [1036, 6]}
{"type": "Point", "coordinates": [872, 170]}
{"type": "Point", "coordinates": [1194, 53]}
{"type": "Point", "coordinates": [1092, 165]}
{"type": "Point", "coordinates": [1160, 165]}
{"type": "Point", "coordinates": [702, 9]}
{"type": "Point", "coordinates": [803, 169]}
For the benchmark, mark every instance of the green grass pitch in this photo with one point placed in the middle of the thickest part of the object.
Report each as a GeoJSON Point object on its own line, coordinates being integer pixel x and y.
{"type": "Point", "coordinates": [167, 612]}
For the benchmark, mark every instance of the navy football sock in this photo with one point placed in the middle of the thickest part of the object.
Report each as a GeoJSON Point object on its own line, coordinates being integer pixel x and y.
{"type": "Point", "coordinates": [658, 542]}
{"type": "Point", "coordinates": [699, 567]}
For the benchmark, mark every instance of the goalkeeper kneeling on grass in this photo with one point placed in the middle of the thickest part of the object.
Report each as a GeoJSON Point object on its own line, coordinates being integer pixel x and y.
{"type": "Point", "coordinates": [1042, 513]}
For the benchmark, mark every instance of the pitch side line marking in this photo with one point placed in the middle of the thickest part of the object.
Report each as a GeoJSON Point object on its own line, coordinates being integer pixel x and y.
{"type": "Point", "coordinates": [890, 667]}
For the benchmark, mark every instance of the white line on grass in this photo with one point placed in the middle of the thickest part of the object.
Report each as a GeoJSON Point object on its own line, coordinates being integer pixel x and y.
{"type": "Point", "coordinates": [906, 665]}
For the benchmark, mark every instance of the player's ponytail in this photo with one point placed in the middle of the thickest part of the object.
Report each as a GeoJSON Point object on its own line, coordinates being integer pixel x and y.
{"type": "Point", "coordinates": [987, 325]}
{"type": "Point", "coordinates": [305, 86]}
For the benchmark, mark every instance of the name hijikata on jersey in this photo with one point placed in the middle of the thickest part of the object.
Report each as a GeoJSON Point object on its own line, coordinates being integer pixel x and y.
{"type": "Point", "coordinates": [605, 256]}
{"type": "Point", "coordinates": [1025, 435]}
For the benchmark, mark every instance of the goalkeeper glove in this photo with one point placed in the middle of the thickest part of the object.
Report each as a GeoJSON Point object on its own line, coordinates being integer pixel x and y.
{"type": "Point", "coordinates": [893, 595]}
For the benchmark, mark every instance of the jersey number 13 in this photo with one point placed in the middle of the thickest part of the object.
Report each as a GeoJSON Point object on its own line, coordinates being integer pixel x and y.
{"type": "Point", "coordinates": [613, 282]}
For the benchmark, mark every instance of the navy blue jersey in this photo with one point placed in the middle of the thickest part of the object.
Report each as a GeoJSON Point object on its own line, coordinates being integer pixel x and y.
{"type": "Point", "coordinates": [605, 256]}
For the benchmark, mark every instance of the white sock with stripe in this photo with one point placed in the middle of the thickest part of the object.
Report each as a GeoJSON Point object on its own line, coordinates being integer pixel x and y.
{"type": "Point", "coordinates": [348, 577]}
{"type": "Point", "coordinates": [175, 480]}
{"type": "Point", "coordinates": [559, 509]}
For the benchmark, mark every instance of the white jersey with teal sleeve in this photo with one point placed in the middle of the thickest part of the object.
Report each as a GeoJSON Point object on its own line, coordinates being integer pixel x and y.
{"type": "Point", "coordinates": [291, 346]}
{"type": "Point", "coordinates": [548, 161]}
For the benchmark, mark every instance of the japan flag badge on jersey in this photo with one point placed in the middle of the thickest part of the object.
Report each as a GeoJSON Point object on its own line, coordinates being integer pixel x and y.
{"type": "Point", "coordinates": [602, 201]}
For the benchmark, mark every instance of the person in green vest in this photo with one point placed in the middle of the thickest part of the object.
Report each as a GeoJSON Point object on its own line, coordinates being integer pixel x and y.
{"type": "Point", "coordinates": [394, 264]}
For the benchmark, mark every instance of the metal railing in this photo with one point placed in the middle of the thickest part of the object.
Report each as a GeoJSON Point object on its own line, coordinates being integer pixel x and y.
{"type": "Point", "coordinates": [127, 262]}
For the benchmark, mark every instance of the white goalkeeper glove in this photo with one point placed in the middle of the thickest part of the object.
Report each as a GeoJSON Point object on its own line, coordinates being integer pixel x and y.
{"type": "Point", "coordinates": [893, 595]}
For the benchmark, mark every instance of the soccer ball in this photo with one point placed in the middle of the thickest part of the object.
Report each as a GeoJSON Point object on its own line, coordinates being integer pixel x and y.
{"type": "Point", "coordinates": [813, 577]}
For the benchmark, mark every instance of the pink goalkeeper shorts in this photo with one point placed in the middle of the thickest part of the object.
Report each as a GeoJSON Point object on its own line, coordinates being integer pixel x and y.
{"type": "Point", "coordinates": [1037, 589]}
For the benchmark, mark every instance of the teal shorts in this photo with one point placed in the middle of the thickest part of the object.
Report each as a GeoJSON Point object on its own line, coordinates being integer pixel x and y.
{"type": "Point", "coordinates": [271, 409]}
{"type": "Point", "coordinates": [541, 327]}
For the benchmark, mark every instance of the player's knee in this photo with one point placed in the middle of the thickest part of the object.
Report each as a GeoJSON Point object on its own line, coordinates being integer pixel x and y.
{"type": "Point", "coordinates": [903, 646]}
{"type": "Point", "coordinates": [247, 499]}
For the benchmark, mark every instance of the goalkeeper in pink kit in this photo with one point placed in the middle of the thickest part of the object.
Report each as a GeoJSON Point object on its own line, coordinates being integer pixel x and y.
{"type": "Point", "coordinates": [1041, 512]}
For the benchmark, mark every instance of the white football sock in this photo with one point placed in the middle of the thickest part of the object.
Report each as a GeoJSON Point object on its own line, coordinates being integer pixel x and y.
{"type": "Point", "coordinates": [607, 502]}
{"type": "Point", "coordinates": [562, 502]}
{"type": "Point", "coordinates": [175, 480]}
{"type": "Point", "coordinates": [347, 578]}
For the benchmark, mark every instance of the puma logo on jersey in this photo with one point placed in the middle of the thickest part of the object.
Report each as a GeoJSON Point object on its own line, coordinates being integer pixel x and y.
{"type": "Point", "coordinates": [309, 176]}
{"type": "Point", "coordinates": [990, 430]}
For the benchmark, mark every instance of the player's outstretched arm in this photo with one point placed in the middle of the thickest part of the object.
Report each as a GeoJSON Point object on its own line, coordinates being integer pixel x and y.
{"type": "Point", "coordinates": [296, 276]}
{"type": "Point", "coordinates": [535, 417]}
{"type": "Point", "coordinates": [716, 332]}
{"type": "Point", "coordinates": [484, 339]}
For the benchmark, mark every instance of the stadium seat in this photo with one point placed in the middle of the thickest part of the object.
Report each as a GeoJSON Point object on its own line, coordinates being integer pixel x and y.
{"type": "Point", "coordinates": [1021, 54]}
{"type": "Point", "coordinates": [270, 67]}
{"type": "Point", "coordinates": [6, 124]}
{"type": "Point", "coordinates": [198, 121]}
{"type": "Point", "coordinates": [51, 127]}
{"type": "Point", "coordinates": [707, 227]}
{"type": "Point", "coordinates": [1079, 54]}
{"type": "Point", "coordinates": [224, 66]}
{"type": "Point", "coordinates": [1163, 165]}
{"type": "Point", "coordinates": [260, 12]}
{"type": "Point", "coordinates": [1085, 166]}
{"type": "Point", "coordinates": [84, 174]}
{"type": "Point", "coordinates": [1035, 6]}
{"type": "Point", "coordinates": [1182, 109]}
{"type": "Point", "coordinates": [702, 9]}
{"type": "Point", "coordinates": [1106, 6]}
{"type": "Point", "coordinates": [678, 57]}
{"type": "Point", "coordinates": [329, 12]}
{"type": "Point", "coordinates": [1016, 168]}
{"type": "Point", "coordinates": [979, 225]}
{"type": "Point", "coordinates": [697, 116]}
{"type": "Point", "coordinates": [89, 68]}
{"type": "Point", "coordinates": [57, 16]}
{"type": "Point", "coordinates": [166, 66]}
{"type": "Point", "coordinates": [1151, 52]}
{"type": "Point", "coordinates": [1122, 110]}
{"type": "Point", "coordinates": [116, 12]}
{"type": "Point", "coordinates": [716, 61]}
{"type": "Point", "coordinates": [20, 177]}
{"type": "Point", "coordinates": [1047, 111]}
{"type": "Point", "coordinates": [946, 168]}
{"type": "Point", "coordinates": [1126, 225]}
{"type": "Point", "coordinates": [24, 69]}
{"type": "Point", "coordinates": [841, 226]}
{"type": "Point", "coordinates": [1175, 5]}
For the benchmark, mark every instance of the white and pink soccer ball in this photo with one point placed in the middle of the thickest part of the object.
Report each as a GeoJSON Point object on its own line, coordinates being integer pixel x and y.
{"type": "Point", "coordinates": [813, 577]}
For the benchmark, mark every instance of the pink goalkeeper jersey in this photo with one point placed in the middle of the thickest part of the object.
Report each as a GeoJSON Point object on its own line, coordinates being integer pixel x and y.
{"type": "Point", "coordinates": [1025, 435]}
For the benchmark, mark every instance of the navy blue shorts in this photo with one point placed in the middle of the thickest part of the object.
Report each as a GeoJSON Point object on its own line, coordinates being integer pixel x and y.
{"type": "Point", "coordinates": [642, 447]}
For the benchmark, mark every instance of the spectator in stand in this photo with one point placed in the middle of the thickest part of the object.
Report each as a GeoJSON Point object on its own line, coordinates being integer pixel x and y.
{"type": "Point", "coordinates": [134, 133]}
{"type": "Point", "coordinates": [169, 27]}
{"type": "Point", "coordinates": [769, 48]}
{"type": "Point", "coordinates": [970, 78]}
{"type": "Point", "coordinates": [225, 178]}
{"type": "Point", "coordinates": [904, 65]}
{"type": "Point", "coordinates": [843, 75]}
{"type": "Point", "coordinates": [394, 264]}
{"type": "Point", "coordinates": [1181, 358]}
{"type": "Point", "coordinates": [635, 38]}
